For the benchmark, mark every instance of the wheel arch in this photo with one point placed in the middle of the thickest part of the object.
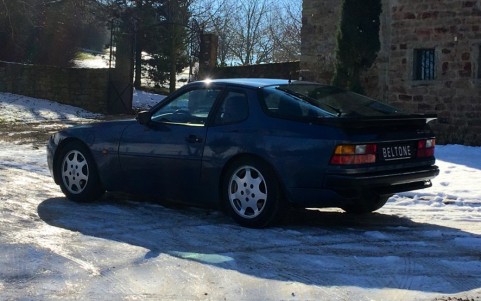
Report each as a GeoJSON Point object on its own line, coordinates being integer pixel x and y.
{"type": "Point", "coordinates": [247, 156]}
{"type": "Point", "coordinates": [62, 145]}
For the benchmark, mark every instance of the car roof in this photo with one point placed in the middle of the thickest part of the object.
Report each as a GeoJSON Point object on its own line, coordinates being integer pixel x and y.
{"type": "Point", "coordinates": [250, 82]}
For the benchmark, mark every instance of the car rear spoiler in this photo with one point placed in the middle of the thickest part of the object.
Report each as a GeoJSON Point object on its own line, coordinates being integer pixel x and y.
{"type": "Point", "coordinates": [350, 122]}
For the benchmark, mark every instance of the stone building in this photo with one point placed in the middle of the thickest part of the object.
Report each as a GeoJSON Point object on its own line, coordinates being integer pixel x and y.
{"type": "Point", "coordinates": [430, 59]}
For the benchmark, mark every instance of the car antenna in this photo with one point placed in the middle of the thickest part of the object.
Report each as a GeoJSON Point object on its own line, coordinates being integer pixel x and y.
{"type": "Point", "coordinates": [290, 78]}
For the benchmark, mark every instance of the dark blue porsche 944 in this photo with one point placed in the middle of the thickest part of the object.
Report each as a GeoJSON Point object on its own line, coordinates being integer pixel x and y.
{"type": "Point", "coordinates": [254, 147]}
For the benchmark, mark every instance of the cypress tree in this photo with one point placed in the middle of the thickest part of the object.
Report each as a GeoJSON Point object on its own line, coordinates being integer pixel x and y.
{"type": "Point", "coordinates": [357, 42]}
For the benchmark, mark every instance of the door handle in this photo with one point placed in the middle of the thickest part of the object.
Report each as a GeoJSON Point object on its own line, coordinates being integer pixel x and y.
{"type": "Point", "coordinates": [193, 139]}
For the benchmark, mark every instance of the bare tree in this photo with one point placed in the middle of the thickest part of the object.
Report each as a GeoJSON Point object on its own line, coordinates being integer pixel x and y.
{"type": "Point", "coordinates": [223, 25]}
{"type": "Point", "coordinates": [253, 31]}
{"type": "Point", "coordinates": [216, 16]}
{"type": "Point", "coordinates": [251, 39]}
{"type": "Point", "coordinates": [285, 28]}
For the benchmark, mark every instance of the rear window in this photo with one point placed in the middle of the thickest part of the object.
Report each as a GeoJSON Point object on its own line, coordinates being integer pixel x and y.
{"type": "Point", "coordinates": [300, 101]}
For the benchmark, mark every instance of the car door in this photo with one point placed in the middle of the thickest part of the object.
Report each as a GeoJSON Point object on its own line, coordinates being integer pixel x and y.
{"type": "Point", "coordinates": [164, 156]}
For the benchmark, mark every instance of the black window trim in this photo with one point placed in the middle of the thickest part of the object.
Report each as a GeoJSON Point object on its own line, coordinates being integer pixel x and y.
{"type": "Point", "coordinates": [420, 56]}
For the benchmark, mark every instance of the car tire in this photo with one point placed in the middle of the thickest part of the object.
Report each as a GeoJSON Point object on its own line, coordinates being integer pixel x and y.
{"type": "Point", "coordinates": [79, 179]}
{"type": "Point", "coordinates": [252, 194]}
{"type": "Point", "coordinates": [369, 203]}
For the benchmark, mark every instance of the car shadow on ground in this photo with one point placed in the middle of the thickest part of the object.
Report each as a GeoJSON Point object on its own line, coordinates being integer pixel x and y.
{"type": "Point", "coordinates": [311, 247]}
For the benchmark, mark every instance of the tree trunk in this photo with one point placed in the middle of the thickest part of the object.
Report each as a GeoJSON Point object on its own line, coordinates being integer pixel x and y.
{"type": "Point", "coordinates": [173, 60]}
{"type": "Point", "coordinates": [138, 62]}
{"type": "Point", "coordinates": [138, 47]}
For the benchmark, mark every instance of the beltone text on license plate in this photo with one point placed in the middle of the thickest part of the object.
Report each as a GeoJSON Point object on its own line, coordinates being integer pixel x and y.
{"type": "Point", "coordinates": [396, 152]}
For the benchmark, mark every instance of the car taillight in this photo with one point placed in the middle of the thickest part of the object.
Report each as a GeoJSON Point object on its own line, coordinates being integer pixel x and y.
{"type": "Point", "coordinates": [354, 154]}
{"type": "Point", "coordinates": [426, 148]}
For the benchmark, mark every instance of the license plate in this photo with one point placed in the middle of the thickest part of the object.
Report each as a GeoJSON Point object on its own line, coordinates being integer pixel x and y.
{"type": "Point", "coordinates": [396, 152]}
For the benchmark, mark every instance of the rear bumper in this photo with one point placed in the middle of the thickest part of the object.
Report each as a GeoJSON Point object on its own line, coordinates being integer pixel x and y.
{"type": "Point", "coordinates": [341, 189]}
{"type": "Point", "coordinates": [383, 182]}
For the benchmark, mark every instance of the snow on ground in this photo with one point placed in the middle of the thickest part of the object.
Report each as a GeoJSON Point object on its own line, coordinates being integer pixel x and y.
{"type": "Point", "coordinates": [144, 100]}
{"type": "Point", "coordinates": [23, 109]}
{"type": "Point", "coordinates": [459, 180]}
{"type": "Point", "coordinates": [99, 60]}
{"type": "Point", "coordinates": [423, 245]}
{"type": "Point", "coordinates": [94, 61]}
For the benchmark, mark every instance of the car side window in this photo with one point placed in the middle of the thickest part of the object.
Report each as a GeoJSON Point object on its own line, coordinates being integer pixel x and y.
{"type": "Point", "coordinates": [191, 107]}
{"type": "Point", "coordinates": [281, 104]}
{"type": "Point", "coordinates": [234, 108]}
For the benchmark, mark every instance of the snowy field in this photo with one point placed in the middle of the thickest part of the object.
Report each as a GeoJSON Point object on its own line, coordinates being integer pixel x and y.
{"type": "Point", "coordinates": [423, 245]}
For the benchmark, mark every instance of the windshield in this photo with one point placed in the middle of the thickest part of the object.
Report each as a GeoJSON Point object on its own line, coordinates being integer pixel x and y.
{"type": "Point", "coordinates": [304, 100]}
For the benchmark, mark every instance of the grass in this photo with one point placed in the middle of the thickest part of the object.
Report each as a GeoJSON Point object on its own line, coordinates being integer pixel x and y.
{"type": "Point", "coordinates": [82, 56]}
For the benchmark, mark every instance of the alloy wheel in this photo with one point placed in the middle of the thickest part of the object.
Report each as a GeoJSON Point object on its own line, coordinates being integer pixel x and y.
{"type": "Point", "coordinates": [247, 192]}
{"type": "Point", "coordinates": [75, 172]}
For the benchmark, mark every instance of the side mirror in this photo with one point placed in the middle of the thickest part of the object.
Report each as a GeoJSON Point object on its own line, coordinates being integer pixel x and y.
{"type": "Point", "coordinates": [144, 117]}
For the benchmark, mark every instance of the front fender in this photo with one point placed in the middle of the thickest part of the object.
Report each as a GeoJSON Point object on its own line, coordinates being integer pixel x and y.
{"type": "Point", "coordinates": [102, 139]}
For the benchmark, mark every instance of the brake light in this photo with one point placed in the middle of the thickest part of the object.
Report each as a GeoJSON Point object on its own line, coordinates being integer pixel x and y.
{"type": "Point", "coordinates": [346, 154]}
{"type": "Point", "coordinates": [426, 148]}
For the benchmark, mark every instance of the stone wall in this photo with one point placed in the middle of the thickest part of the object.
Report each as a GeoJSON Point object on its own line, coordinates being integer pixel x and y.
{"type": "Point", "coordinates": [451, 27]}
{"type": "Point", "coordinates": [85, 88]}
{"type": "Point", "coordinates": [320, 20]}
{"type": "Point", "coordinates": [276, 70]}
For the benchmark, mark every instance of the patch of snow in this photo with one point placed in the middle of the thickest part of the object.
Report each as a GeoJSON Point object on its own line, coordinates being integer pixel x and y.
{"type": "Point", "coordinates": [24, 109]}
{"type": "Point", "coordinates": [96, 63]}
{"type": "Point", "coordinates": [144, 100]}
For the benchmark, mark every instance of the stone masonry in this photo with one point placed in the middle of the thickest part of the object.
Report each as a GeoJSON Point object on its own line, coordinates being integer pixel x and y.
{"type": "Point", "coordinates": [449, 28]}
{"type": "Point", "coordinates": [85, 88]}
{"type": "Point", "coordinates": [288, 70]}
